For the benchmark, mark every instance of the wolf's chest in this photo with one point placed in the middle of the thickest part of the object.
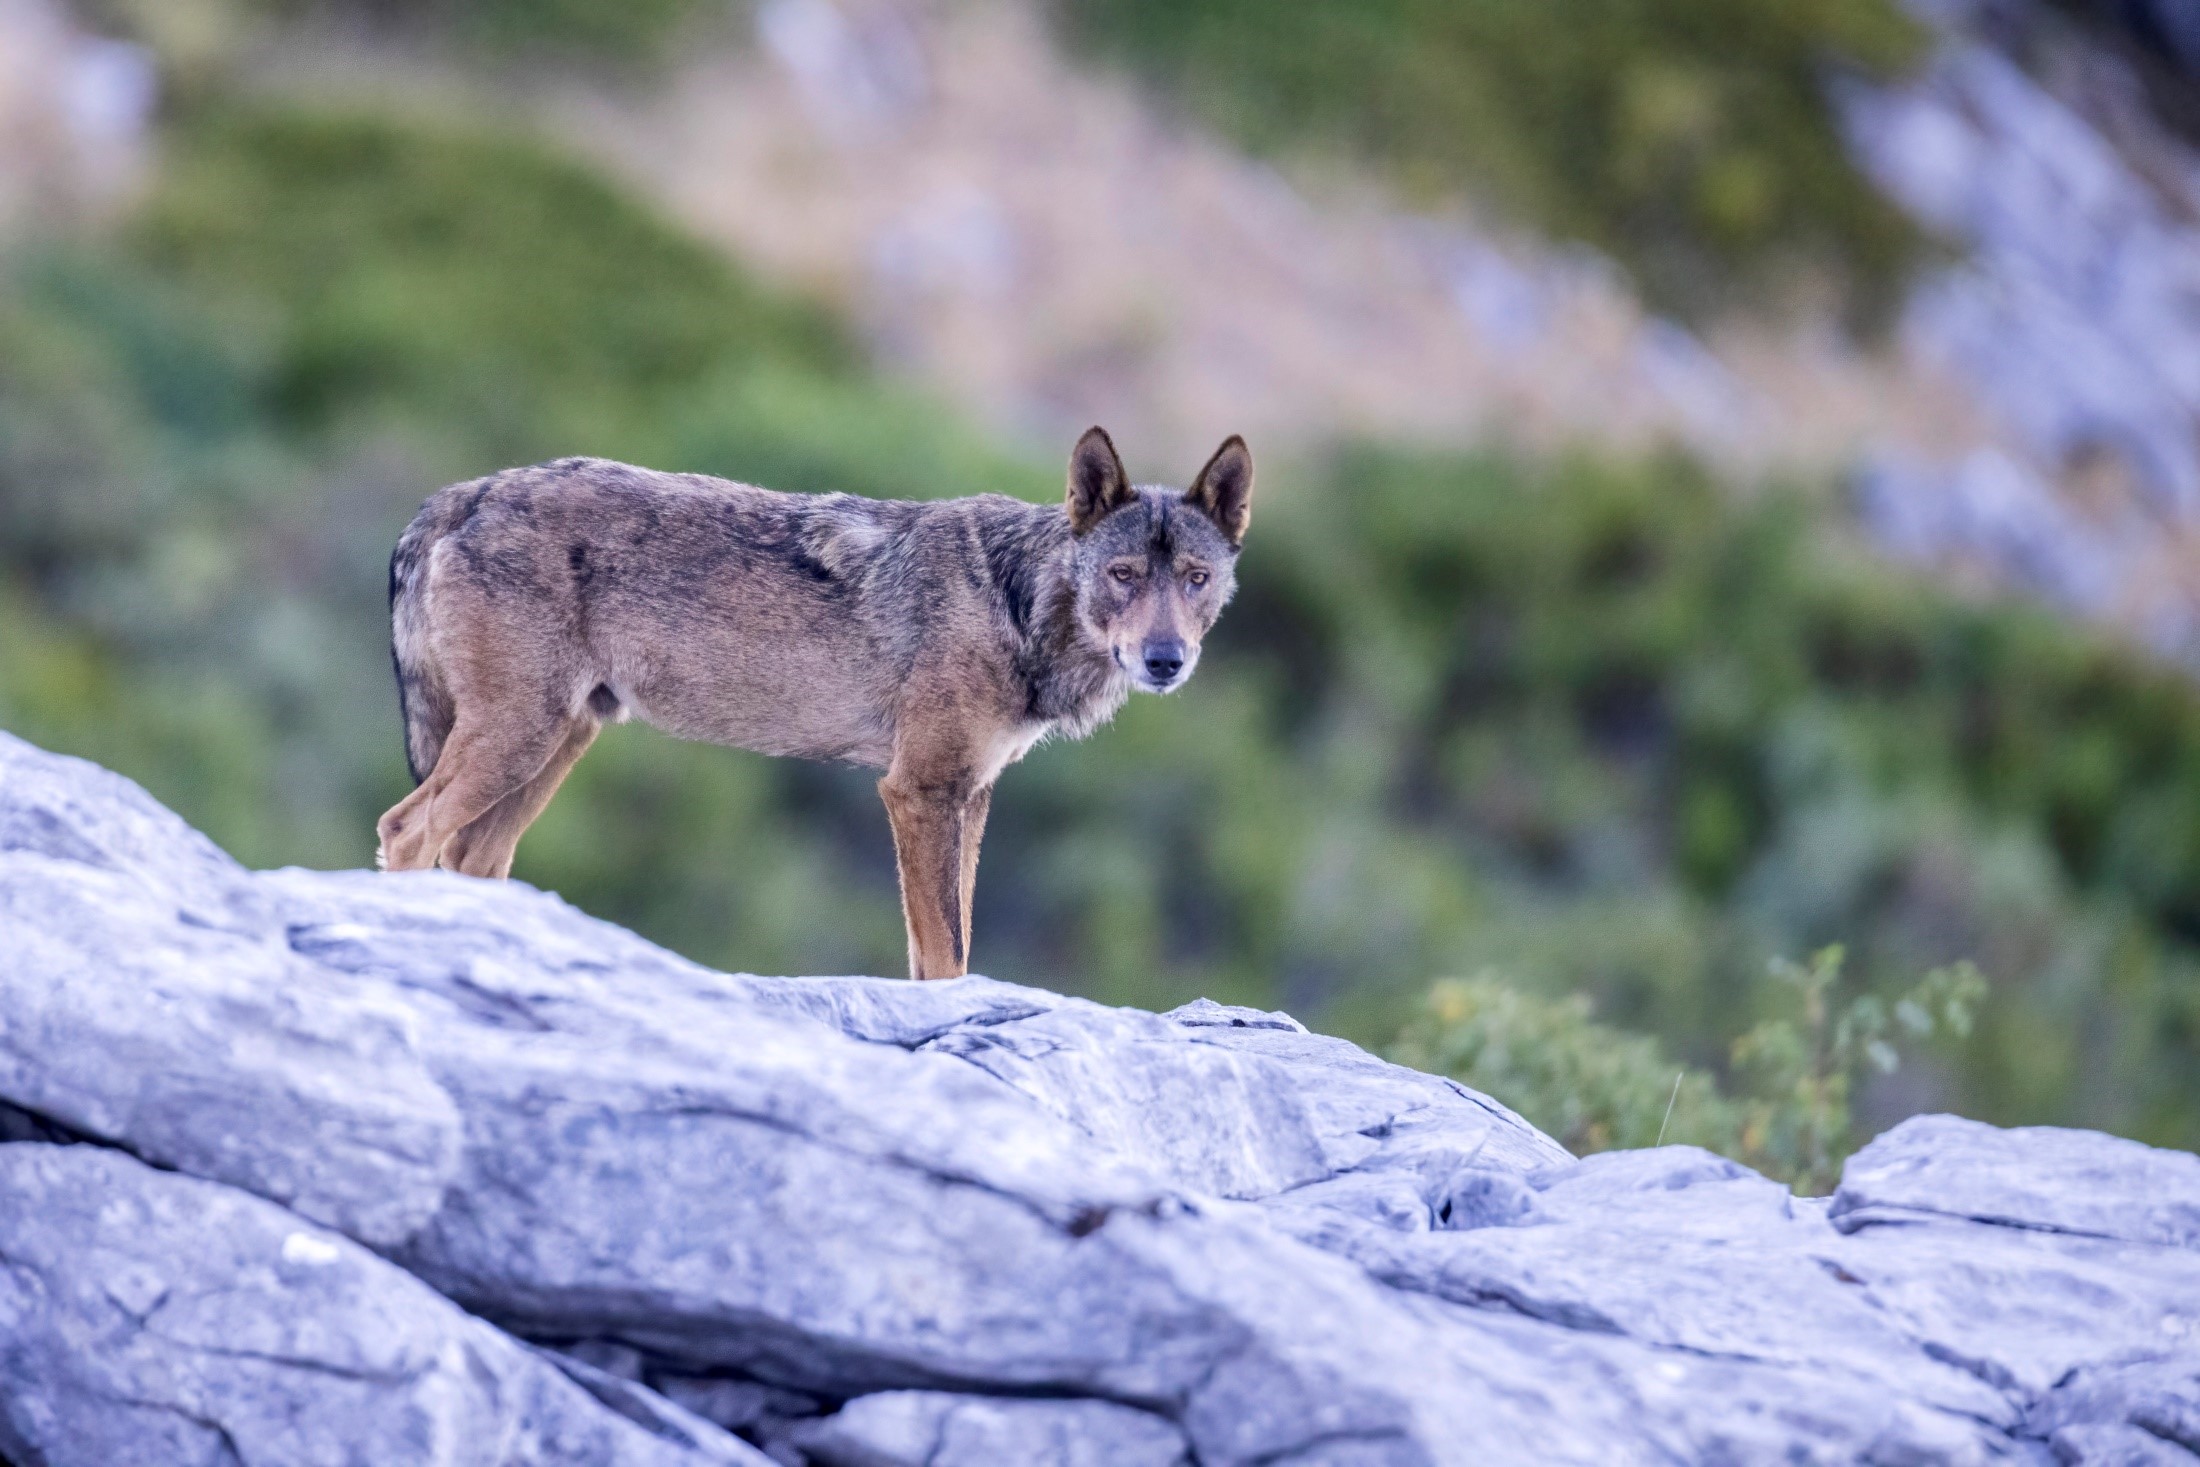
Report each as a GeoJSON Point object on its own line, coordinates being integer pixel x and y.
{"type": "Point", "coordinates": [1008, 746]}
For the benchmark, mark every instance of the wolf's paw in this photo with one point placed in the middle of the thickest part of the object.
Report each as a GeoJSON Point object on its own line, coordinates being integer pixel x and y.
{"type": "Point", "coordinates": [402, 845]}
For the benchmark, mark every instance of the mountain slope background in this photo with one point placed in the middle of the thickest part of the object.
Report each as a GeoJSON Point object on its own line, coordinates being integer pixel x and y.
{"type": "Point", "coordinates": [1569, 647]}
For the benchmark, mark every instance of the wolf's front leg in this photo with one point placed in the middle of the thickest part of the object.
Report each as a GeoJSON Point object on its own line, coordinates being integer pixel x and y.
{"type": "Point", "coordinates": [930, 820]}
{"type": "Point", "coordinates": [973, 831]}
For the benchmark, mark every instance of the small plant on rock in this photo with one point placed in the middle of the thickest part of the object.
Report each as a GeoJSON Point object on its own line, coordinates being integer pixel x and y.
{"type": "Point", "coordinates": [1599, 1088]}
{"type": "Point", "coordinates": [1591, 1086]}
{"type": "Point", "coordinates": [1798, 1124]}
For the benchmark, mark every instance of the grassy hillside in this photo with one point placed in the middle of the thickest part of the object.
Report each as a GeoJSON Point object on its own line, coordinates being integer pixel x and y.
{"type": "Point", "coordinates": [1596, 727]}
{"type": "Point", "coordinates": [1689, 139]}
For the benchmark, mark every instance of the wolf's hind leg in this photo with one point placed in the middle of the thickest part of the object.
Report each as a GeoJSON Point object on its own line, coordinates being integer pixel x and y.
{"type": "Point", "coordinates": [482, 762]}
{"type": "Point", "coordinates": [392, 851]}
{"type": "Point", "coordinates": [929, 821]}
{"type": "Point", "coordinates": [486, 846]}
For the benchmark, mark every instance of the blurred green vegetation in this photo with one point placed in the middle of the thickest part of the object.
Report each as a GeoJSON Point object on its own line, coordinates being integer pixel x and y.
{"type": "Point", "coordinates": [1597, 1088]}
{"type": "Point", "coordinates": [470, 279]}
{"type": "Point", "coordinates": [1606, 728]}
{"type": "Point", "coordinates": [1691, 140]}
{"type": "Point", "coordinates": [624, 29]}
{"type": "Point", "coordinates": [1591, 1086]}
{"type": "Point", "coordinates": [1609, 728]}
{"type": "Point", "coordinates": [594, 32]}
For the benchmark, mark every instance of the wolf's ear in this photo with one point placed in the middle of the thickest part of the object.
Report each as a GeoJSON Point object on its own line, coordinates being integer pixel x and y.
{"type": "Point", "coordinates": [1097, 483]}
{"type": "Point", "coordinates": [1224, 489]}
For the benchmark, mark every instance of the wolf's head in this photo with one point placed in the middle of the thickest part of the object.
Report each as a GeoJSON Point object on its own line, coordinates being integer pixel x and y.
{"type": "Point", "coordinates": [1154, 567]}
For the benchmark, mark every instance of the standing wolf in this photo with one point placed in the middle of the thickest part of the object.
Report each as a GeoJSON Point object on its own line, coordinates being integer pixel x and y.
{"type": "Point", "coordinates": [938, 642]}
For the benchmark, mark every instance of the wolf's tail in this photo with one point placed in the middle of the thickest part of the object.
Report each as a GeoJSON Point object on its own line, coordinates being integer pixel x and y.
{"type": "Point", "coordinates": [424, 700]}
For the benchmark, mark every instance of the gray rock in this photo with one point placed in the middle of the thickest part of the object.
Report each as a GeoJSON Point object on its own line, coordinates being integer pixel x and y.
{"type": "Point", "coordinates": [980, 1222]}
{"type": "Point", "coordinates": [2140, 1412]}
{"type": "Point", "coordinates": [151, 1001]}
{"type": "Point", "coordinates": [1688, 1253]}
{"type": "Point", "coordinates": [2022, 1309]}
{"type": "Point", "coordinates": [934, 1429]}
{"type": "Point", "coordinates": [2012, 515]}
{"type": "Point", "coordinates": [1205, 1013]}
{"type": "Point", "coordinates": [2115, 1446]}
{"type": "Point", "coordinates": [2031, 1177]}
{"type": "Point", "coordinates": [79, 814]}
{"type": "Point", "coordinates": [863, 1008]}
{"type": "Point", "coordinates": [1219, 1120]}
{"type": "Point", "coordinates": [147, 1317]}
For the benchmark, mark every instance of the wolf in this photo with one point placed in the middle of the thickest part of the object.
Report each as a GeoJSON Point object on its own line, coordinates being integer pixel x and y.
{"type": "Point", "coordinates": [937, 641]}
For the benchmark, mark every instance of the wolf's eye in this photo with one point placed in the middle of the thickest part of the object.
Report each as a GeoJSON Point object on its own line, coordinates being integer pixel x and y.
{"type": "Point", "coordinates": [1197, 578]}
{"type": "Point", "coordinates": [1122, 573]}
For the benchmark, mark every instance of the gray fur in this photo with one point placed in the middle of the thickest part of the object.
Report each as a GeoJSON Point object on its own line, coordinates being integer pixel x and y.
{"type": "Point", "coordinates": [937, 641]}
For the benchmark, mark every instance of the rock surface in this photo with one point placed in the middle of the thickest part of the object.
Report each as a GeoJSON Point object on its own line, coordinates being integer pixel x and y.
{"type": "Point", "coordinates": [297, 1165]}
{"type": "Point", "coordinates": [935, 1429]}
{"type": "Point", "coordinates": [151, 1317]}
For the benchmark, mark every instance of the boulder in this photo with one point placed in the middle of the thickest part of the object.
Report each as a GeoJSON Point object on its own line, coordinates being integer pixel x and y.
{"type": "Point", "coordinates": [2041, 1177]}
{"type": "Point", "coordinates": [861, 1220]}
{"type": "Point", "coordinates": [151, 1317]}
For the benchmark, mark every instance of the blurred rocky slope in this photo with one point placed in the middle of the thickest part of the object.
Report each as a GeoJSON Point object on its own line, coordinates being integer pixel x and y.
{"type": "Point", "coordinates": [74, 109]}
{"type": "Point", "coordinates": [296, 1165]}
{"type": "Point", "coordinates": [1054, 247]}
{"type": "Point", "coordinates": [1037, 239]}
{"type": "Point", "coordinates": [2074, 318]}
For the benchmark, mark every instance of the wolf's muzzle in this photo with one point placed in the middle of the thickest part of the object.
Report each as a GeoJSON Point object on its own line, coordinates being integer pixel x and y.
{"type": "Point", "coordinates": [1164, 660]}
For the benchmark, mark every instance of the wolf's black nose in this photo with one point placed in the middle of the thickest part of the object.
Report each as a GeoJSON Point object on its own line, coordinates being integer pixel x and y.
{"type": "Point", "coordinates": [1164, 660]}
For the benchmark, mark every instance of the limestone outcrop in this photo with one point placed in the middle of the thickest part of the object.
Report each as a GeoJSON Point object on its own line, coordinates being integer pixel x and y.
{"type": "Point", "coordinates": [309, 1167]}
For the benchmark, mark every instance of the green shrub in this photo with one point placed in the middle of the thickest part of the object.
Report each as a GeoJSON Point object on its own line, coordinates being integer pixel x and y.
{"type": "Point", "coordinates": [1592, 1087]}
{"type": "Point", "coordinates": [1597, 1088]}
{"type": "Point", "coordinates": [1804, 1067]}
{"type": "Point", "coordinates": [1690, 139]}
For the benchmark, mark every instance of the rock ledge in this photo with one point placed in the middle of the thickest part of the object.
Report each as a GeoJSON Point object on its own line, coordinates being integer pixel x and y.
{"type": "Point", "coordinates": [305, 1168]}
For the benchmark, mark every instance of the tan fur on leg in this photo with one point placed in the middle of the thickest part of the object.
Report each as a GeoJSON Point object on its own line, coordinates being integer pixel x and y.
{"type": "Point", "coordinates": [393, 852]}
{"type": "Point", "coordinates": [477, 768]}
{"type": "Point", "coordinates": [928, 824]}
{"type": "Point", "coordinates": [486, 846]}
{"type": "Point", "coordinates": [973, 831]}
